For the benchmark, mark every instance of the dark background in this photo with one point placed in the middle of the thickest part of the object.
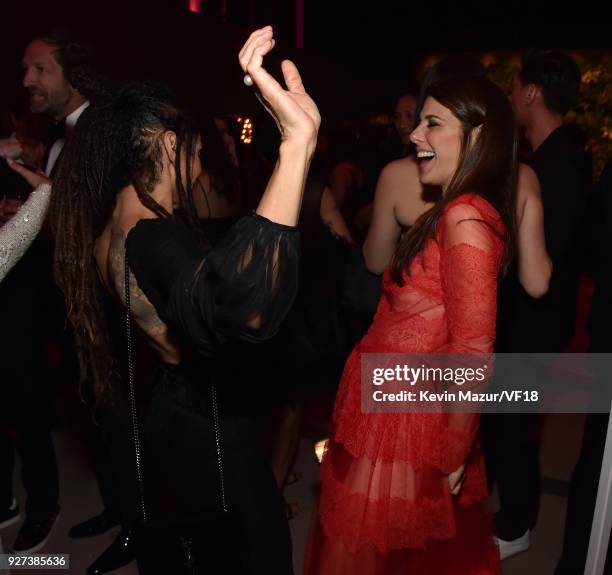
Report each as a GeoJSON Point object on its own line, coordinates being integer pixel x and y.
{"type": "Point", "coordinates": [357, 56]}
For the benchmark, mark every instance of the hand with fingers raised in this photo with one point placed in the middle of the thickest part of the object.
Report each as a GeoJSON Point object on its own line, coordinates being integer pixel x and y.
{"type": "Point", "coordinates": [298, 120]}
{"type": "Point", "coordinates": [293, 110]}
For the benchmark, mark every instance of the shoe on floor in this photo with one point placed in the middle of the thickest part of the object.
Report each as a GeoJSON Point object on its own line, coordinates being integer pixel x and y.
{"type": "Point", "coordinates": [35, 531]}
{"type": "Point", "coordinates": [121, 552]}
{"type": "Point", "coordinates": [514, 546]}
{"type": "Point", "coordinates": [9, 515]}
{"type": "Point", "coordinates": [94, 526]}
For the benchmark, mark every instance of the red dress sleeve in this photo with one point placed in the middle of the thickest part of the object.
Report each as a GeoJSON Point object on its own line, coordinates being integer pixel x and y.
{"type": "Point", "coordinates": [471, 248]}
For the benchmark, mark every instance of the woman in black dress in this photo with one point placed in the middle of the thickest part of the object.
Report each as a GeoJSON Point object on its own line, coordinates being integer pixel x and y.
{"type": "Point", "coordinates": [129, 164]}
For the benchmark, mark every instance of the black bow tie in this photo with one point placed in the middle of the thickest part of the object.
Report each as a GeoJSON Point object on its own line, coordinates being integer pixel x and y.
{"type": "Point", "coordinates": [57, 132]}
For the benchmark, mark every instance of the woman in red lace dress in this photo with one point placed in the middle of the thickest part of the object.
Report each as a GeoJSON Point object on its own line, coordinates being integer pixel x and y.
{"type": "Point", "coordinates": [405, 493]}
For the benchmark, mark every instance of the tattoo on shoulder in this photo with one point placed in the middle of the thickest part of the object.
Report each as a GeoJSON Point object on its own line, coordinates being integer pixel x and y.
{"type": "Point", "coordinates": [142, 309]}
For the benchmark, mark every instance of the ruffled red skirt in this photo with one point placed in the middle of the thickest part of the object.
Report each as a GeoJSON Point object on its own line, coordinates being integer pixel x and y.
{"type": "Point", "coordinates": [385, 505]}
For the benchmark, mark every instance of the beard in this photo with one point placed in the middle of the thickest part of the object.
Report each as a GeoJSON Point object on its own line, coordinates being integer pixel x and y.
{"type": "Point", "coordinates": [51, 103]}
{"type": "Point", "coordinates": [39, 101]}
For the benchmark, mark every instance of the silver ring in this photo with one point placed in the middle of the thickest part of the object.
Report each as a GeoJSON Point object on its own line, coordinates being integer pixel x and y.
{"type": "Point", "coordinates": [248, 81]}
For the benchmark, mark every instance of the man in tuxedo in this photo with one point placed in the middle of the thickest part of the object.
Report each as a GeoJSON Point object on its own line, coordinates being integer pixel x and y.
{"type": "Point", "coordinates": [59, 79]}
{"type": "Point", "coordinates": [61, 82]}
{"type": "Point", "coordinates": [27, 389]}
{"type": "Point", "coordinates": [544, 90]}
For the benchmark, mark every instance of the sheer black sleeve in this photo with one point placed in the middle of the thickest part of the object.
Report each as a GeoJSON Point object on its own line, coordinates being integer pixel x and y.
{"type": "Point", "coordinates": [241, 289]}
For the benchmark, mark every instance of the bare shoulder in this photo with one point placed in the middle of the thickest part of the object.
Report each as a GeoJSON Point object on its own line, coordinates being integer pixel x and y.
{"type": "Point", "coordinates": [528, 184]}
{"type": "Point", "coordinates": [109, 250]}
{"type": "Point", "coordinates": [526, 172]}
{"type": "Point", "coordinates": [402, 168]}
{"type": "Point", "coordinates": [399, 180]}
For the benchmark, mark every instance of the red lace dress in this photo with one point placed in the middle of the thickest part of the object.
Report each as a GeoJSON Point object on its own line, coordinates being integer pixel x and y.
{"type": "Point", "coordinates": [385, 504]}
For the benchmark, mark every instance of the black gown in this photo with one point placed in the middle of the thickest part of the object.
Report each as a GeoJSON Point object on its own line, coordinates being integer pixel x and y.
{"type": "Point", "coordinates": [207, 297]}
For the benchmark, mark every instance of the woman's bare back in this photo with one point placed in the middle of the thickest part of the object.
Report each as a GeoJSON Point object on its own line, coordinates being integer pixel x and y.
{"type": "Point", "coordinates": [109, 251]}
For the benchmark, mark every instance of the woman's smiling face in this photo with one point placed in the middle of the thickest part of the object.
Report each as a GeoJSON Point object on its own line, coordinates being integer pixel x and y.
{"type": "Point", "coordinates": [438, 139]}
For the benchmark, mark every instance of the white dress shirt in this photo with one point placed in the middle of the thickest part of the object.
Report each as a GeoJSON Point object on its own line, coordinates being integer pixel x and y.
{"type": "Point", "coordinates": [58, 145]}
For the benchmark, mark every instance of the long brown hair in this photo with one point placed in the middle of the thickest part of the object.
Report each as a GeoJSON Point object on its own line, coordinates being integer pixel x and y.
{"type": "Point", "coordinates": [487, 163]}
{"type": "Point", "coordinates": [116, 143]}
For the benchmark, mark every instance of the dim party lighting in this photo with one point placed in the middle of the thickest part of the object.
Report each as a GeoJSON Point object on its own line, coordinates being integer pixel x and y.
{"type": "Point", "coordinates": [320, 447]}
{"type": "Point", "coordinates": [194, 6]}
{"type": "Point", "coordinates": [246, 129]}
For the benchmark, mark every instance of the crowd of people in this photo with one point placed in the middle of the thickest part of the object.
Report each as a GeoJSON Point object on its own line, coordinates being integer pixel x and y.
{"type": "Point", "coordinates": [234, 265]}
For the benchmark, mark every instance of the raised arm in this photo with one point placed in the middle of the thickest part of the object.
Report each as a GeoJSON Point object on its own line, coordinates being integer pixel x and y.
{"type": "Point", "coordinates": [244, 287]}
{"type": "Point", "coordinates": [298, 120]}
{"type": "Point", "coordinates": [534, 263]}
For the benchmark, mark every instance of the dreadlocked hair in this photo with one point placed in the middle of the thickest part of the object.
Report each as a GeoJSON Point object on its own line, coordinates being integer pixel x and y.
{"type": "Point", "coordinates": [116, 143]}
{"type": "Point", "coordinates": [487, 164]}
